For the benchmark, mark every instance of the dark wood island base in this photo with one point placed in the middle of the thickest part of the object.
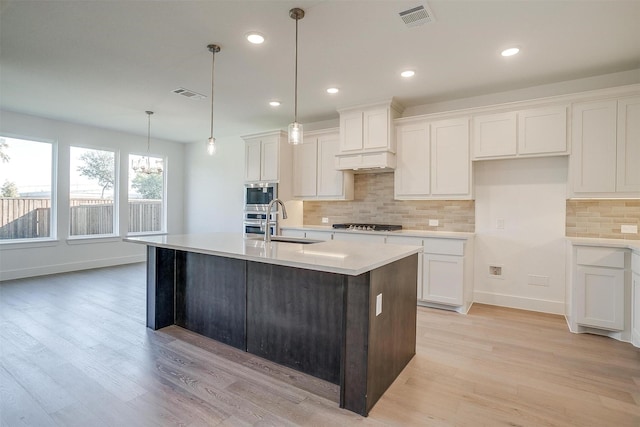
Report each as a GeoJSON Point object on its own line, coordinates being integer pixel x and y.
{"type": "Point", "coordinates": [320, 323]}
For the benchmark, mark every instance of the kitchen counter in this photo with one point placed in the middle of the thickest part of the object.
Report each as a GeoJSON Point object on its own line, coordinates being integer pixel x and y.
{"type": "Point", "coordinates": [344, 312]}
{"type": "Point", "coordinates": [407, 233]}
{"type": "Point", "coordinates": [330, 256]}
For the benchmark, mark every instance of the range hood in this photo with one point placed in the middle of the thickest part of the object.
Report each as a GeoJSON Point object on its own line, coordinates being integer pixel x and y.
{"type": "Point", "coordinates": [367, 162]}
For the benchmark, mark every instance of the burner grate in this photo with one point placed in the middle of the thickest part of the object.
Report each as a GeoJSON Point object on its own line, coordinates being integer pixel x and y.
{"type": "Point", "coordinates": [367, 227]}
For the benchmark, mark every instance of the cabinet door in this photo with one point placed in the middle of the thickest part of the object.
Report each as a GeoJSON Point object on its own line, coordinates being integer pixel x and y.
{"type": "Point", "coordinates": [494, 135]}
{"type": "Point", "coordinates": [376, 129]}
{"type": "Point", "coordinates": [412, 241]}
{"type": "Point", "coordinates": [305, 160]}
{"type": "Point", "coordinates": [351, 131]}
{"type": "Point", "coordinates": [330, 181]}
{"type": "Point", "coordinates": [628, 145]}
{"type": "Point", "coordinates": [542, 131]}
{"type": "Point", "coordinates": [593, 157]}
{"type": "Point", "coordinates": [252, 161]}
{"type": "Point", "coordinates": [600, 297]}
{"type": "Point", "coordinates": [443, 280]}
{"type": "Point", "coordinates": [269, 159]}
{"type": "Point", "coordinates": [450, 160]}
{"type": "Point", "coordinates": [413, 159]}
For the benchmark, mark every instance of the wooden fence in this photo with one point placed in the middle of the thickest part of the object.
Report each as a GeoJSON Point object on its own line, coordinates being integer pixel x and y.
{"type": "Point", "coordinates": [24, 218]}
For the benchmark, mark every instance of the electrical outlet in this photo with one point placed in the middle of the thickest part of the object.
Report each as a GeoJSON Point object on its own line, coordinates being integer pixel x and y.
{"type": "Point", "coordinates": [629, 229]}
{"type": "Point", "coordinates": [378, 304]}
{"type": "Point", "coordinates": [325, 220]}
{"type": "Point", "coordinates": [434, 223]}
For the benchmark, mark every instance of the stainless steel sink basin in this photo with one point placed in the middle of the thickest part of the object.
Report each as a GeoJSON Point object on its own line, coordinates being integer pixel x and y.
{"type": "Point", "coordinates": [283, 239]}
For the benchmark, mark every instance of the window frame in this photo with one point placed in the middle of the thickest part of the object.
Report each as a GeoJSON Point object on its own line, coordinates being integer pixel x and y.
{"type": "Point", "coordinates": [165, 169]}
{"type": "Point", "coordinates": [53, 211]}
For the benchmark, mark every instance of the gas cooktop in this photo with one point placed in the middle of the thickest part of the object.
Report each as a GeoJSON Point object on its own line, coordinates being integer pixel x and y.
{"type": "Point", "coordinates": [368, 227]}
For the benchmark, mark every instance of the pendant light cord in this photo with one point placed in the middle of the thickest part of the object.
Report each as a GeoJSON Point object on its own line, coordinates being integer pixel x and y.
{"type": "Point", "coordinates": [295, 102]}
{"type": "Point", "coordinates": [213, 62]}
{"type": "Point", "coordinates": [149, 113]}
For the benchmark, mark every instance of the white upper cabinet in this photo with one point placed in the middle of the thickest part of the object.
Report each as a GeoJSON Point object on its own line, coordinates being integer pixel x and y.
{"type": "Point", "coordinates": [367, 138]}
{"type": "Point", "coordinates": [433, 160]}
{"type": "Point", "coordinates": [628, 146]}
{"type": "Point", "coordinates": [450, 159]}
{"type": "Point", "coordinates": [412, 176]}
{"type": "Point", "coordinates": [523, 133]}
{"type": "Point", "coordinates": [494, 135]}
{"type": "Point", "coordinates": [606, 148]}
{"type": "Point", "coordinates": [264, 156]}
{"type": "Point", "coordinates": [543, 131]}
{"type": "Point", "coordinates": [314, 171]}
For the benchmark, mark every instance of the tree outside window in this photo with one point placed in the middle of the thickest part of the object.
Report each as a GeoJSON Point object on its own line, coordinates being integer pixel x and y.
{"type": "Point", "coordinates": [146, 195]}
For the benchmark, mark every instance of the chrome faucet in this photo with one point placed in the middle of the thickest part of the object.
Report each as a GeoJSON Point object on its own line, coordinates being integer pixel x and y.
{"type": "Point", "coordinates": [267, 229]}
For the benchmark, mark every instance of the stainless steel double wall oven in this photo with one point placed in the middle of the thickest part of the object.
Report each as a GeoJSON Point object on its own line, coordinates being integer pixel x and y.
{"type": "Point", "coordinates": [257, 197]}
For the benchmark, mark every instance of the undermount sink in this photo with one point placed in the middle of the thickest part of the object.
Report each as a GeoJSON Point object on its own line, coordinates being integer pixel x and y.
{"type": "Point", "coordinates": [283, 239]}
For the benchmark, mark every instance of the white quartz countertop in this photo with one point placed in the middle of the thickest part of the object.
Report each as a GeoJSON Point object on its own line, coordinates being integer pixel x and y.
{"type": "Point", "coordinates": [332, 256]}
{"type": "Point", "coordinates": [634, 245]}
{"type": "Point", "coordinates": [405, 233]}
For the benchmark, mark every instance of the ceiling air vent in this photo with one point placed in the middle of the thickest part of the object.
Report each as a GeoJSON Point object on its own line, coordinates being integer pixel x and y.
{"type": "Point", "coordinates": [415, 16]}
{"type": "Point", "coordinates": [188, 93]}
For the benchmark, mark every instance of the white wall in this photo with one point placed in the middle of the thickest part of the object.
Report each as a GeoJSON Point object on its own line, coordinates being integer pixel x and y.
{"type": "Point", "coordinates": [529, 195]}
{"type": "Point", "coordinates": [214, 187]}
{"type": "Point", "coordinates": [32, 259]}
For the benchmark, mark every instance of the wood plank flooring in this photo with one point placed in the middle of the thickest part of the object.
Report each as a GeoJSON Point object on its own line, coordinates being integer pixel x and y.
{"type": "Point", "coordinates": [74, 351]}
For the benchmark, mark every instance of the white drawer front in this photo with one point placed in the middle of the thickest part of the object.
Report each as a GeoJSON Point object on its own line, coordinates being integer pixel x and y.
{"type": "Point", "coordinates": [600, 257]}
{"type": "Point", "coordinates": [444, 246]}
{"type": "Point", "coordinates": [404, 240]}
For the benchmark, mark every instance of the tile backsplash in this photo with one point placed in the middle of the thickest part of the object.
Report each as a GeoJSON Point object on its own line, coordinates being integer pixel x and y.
{"type": "Point", "coordinates": [373, 203]}
{"type": "Point", "coordinates": [602, 218]}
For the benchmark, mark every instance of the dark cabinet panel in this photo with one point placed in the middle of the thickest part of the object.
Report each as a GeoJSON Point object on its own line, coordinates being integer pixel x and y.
{"type": "Point", "coordinates": [294, 317]}
{"type": "Point", "coordinates": [211, 295]}
{"type": "Point", "coordinates": [160, 287]}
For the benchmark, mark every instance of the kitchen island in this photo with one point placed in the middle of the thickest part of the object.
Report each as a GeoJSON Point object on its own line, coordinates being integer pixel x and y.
{"type": "Point", "coordinates": [344, 312]}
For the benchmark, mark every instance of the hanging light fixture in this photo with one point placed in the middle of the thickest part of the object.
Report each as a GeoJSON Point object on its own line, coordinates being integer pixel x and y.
{"type": "Point", "coordinates": [295, 128]}
{"type": "Point", "coordinates": [143, 165]}
{"type": "Point", "coordinates": [211, 144]}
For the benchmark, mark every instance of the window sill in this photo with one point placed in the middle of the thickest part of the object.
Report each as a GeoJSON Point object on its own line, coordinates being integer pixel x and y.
{"type": "Point", "coordinates": [83, 240]}
{"type": "Point", "coordinates": [27, 243]}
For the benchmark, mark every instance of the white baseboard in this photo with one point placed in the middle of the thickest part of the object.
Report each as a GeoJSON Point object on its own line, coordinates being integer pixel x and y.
{"type": "Point", "coordinates": [72, 266]}
{"type": "Point", "coordinates": [531, 304]}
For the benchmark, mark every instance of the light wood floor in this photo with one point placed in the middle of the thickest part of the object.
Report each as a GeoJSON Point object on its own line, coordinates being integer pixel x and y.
{"type": "Point", "coordinates": [75, 352]}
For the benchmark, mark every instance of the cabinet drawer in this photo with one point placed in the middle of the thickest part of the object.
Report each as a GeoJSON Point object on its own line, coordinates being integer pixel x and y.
{"type": "Point", "coordinates": [404, 240]}
{"type": "Point", "coordinates": [600, 257]}
{"type": "Point", "coordinates": [319, 235]}
{"type": "Point", "coordinates": [444, 246]}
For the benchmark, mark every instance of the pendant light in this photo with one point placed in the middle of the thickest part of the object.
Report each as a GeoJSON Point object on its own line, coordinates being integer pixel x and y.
{"type": "Point", "coordinates": [143, 165]}
{"type": "Point", "coordinates": [211, 144]}
{"type": "Point", "coordinates": [295, 129]}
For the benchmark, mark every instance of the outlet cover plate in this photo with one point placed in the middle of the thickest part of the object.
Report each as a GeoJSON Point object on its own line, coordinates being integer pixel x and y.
{"type": "Point", "coordinates": [629, 229]}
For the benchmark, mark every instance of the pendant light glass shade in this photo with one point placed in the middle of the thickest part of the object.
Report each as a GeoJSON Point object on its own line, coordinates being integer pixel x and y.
{"type": "Point", "coordinates": [211, 143]}
{"type": "Point", "coordinates": [295, 129]}
{"type": "Point", "coordinates": [295, 133]}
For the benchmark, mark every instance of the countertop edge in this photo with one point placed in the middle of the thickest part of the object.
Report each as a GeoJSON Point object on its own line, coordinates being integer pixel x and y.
{"type": "Point", "coordinates": [404, 233]}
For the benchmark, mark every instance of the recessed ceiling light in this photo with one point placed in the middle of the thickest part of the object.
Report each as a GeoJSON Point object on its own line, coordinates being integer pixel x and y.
{"type": "Point", "coordinates": [510, 52]}
{"type": "Point", "coordinates": [274, 103]}
{"type": "Point", "coordinates": [408, 73]}
{"type": "Point", "coordinates": [333, 90]}
{"type": "Point", "coordinates": [255, 38]}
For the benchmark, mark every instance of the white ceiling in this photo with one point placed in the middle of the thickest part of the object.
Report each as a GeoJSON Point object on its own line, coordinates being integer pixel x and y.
{"type": "Point", "coordinates": [103, 63]}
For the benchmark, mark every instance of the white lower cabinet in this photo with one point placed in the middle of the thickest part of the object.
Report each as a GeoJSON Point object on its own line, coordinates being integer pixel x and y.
{"type": "Point", "coordinates": [599, 287]}
{"type": "Point", "coordinates": [443, 279]}
{"type": "Point", "coordinates": [319, 235]}
{"type": "Point", "coordinates": [308, 234]}
{"type": "Point", "coordinates": [290, 232]}
{"type": "Point", "coordinates": [600, 297]}
{"type": "Point", "coordinates": [635, 300]}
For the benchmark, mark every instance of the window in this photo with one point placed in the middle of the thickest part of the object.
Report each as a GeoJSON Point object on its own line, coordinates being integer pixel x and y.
{"type": "Point", "coordinates": [26, 170]}
{"type": "Point", "coordinates": [146, 194]}
{"type": "Point", "coordinates": [92, 183]}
